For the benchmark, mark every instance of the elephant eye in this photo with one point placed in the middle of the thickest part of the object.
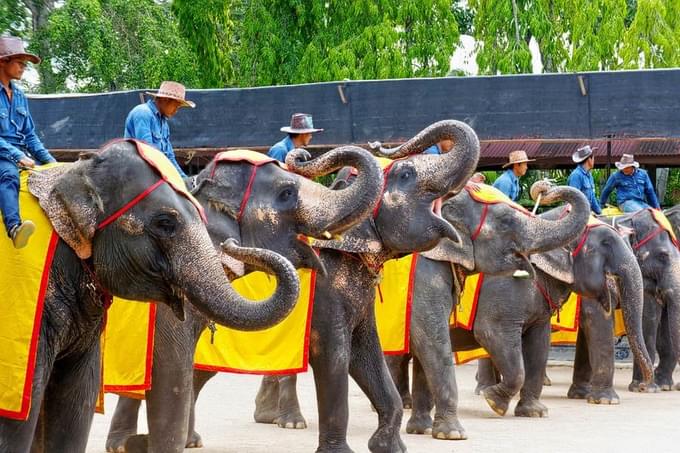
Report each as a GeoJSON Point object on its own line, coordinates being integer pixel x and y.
{"type": "Point", "coordinates": [165, 224]}
{"type": "Point", "coordinates": [286, 195]}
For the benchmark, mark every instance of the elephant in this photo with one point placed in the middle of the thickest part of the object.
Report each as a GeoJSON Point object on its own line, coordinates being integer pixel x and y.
{"type": "Point", "coordinates": [262, 204]}
{"type": "Point", "coordinates": [344, 338]}
{"type": "Point", "coordinates": [659, 259]}
{"type": "Point", "coordinates": [663, 374]}
{"type": "Point", "coordinates": [155, 248]}
{"type": "Point", "coordinates": [515, 329]}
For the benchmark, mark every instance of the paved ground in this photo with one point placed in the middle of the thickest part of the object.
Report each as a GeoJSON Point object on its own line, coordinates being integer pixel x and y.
{"type": "Point", "coordinates": [642, 423]}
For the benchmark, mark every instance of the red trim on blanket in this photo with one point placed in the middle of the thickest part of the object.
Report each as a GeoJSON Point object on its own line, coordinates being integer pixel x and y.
{"type": "Point", "coordinates": [23, 412]}
{"type": "Point", "coordinates": [409, 306]}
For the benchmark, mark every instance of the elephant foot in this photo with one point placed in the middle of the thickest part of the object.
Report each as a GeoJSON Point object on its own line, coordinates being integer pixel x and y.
{"type": "Point", "coordinates": [266, 413]}
{"type": "Point", "coordinates": [384, 442]}
{"type": "Point", "coordinates": [293, 420]}
{"type": "Point", "coordinates": [546, 380]}
{"type": "Point", "coordinates": [115, 442]}
{"type": "Point", "coordinates": [194, 440]}
{"type": "Point", "coordinates": [481, 386]}
{"type": "Point", "coordinates": [137, 444]}
{"type": "Point", "coordinates": [603, 396]}
{"type": "Point", "coordinates": [578, 391]}
{"type": "Point", "coordinates": [407, 401]}
{"type": "Point", "coordinates": [344, 448]}
{"type": "Point", "coordinates": [450, 429]}
{"type": "Point", "coordinates": [496, 399]}
{"type": "Point", "coordinates": [419, 423]}
{"type": "Point", "coordinates": [641, 387]}
{"type": "Point", "coordinates": [531, 408]}
{"type": "Point", "coordinates": [664, 383]}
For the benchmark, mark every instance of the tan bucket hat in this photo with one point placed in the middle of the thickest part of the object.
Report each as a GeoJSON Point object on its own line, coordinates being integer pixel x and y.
{"type": "Point", "coordinates": [173, 90]}
{"type": "Point", "coordinates": [627, 160]}
{"type": "Point", "coordinates": [517, 157]}
{"type": "Point", "coordinates": [14, 47]}
{"type": "Point", "coordinates": [301, 123]}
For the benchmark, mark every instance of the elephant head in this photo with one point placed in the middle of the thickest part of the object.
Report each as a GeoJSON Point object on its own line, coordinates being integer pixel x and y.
{"type": "Point", "coordinates": [145, 238]}
{"type": "Point", "coordinates": [659, 259]}
{"type": "Point", "coordinates": [403, 221]}
{"type": "Point", "coordinates": [498, 237]}
{"type": "Point", "coordinates": [249, 196]}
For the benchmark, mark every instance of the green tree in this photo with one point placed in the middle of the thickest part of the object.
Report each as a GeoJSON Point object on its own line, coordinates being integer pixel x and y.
{"type": "Point", "coordinates": [653, 37]}
{"type": "Point", "coordinates": [290, 41]}
{"type": "Point", "coordinates": [13, 17]}
{"type": "Point", "coordinates": [103, 45]}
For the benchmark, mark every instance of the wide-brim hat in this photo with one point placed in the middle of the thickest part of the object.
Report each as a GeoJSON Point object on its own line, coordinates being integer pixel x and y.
{"type": "Point", "coordinates": [173, 90]}
{"type": "Point", "coordinates": [300, 123]}
{"type": "Point", "coordinates": [583, 153]}
{"type": "Point", "coordinates": [627, 160]}
{"type": "Point", "coordinates": [517, 157]}
{"type": "Point", "coordinates": [11, 47]}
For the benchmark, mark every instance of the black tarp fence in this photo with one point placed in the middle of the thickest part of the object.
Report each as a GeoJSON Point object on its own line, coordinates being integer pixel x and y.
{"type": "Point", "coordinates": [548, 106]}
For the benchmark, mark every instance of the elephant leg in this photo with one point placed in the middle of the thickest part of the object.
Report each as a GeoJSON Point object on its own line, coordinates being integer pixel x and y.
{"type": "Point", "coordinates": [72, 390]}
{"type": "Point", "coordinates": [398, 366]}
{"type": "Point", "coordinates": [651, 315]}
{"type": "Point", "coordinates": [597, 327]}
{"type": "Point", "coordinates": [201, 377]}
{"type": "Point", "coordinates": [583, 372]}
{"type": "Point", "coordinates": [123, 423]}
{"type": "Point", "coordinates": [267, 400]}
{"type": "Point", "coordinates": [535, 348]}
{"type": "Point", "coordinates": [663, 374]}
{"type": "Point", "coordinates": [487, 375]}
{"type": "Point", "coordinates": [505, 348]}
{"type": "Point", "coordinates": [420, 421]}
{"type": "Point", "coordinates": [369, 370]}
{"type": "Point", "coordinates": [433, 352]}
{"type": "Point", "coordinates": [289, 413]}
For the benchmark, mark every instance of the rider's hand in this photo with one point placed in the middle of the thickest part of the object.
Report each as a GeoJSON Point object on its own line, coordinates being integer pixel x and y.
{"type": "Point", "coordinates": [26, 162]}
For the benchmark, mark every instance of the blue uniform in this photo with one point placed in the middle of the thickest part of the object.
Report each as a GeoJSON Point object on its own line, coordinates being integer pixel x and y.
{"type": "Point", "coordinates": [508, 183]}
{"type": "Point", "coordinates": [434, 149]}
{"type": "Point", "coordinates": [633, 192]}
{"type": "Point", "coordinates": [146, 123]}
{"type": "Point", "coordinates": [281, 149]}
{"type": "Point", "coordinates": [17, 141]}
{"type": "Point", "coordinates": [582, 180]}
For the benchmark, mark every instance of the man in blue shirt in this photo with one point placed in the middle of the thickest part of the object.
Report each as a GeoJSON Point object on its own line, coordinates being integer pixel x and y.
{"type": "Point", "coordinates": [508, 182]}
{"type": "Point", "coordinates": [149, 121]}
{"type": "Point", "coordinates": [442, 147]}
{"type": "Point", "coordinates": [299, 135]}
{"type": "Point", "coordinates": [582, 179]}
{"type": "Point", "coordinates": [634, 190]}
{"type": "Point", "coordinates": [19, 144]}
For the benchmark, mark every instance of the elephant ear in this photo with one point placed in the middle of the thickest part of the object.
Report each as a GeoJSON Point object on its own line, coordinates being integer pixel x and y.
{"type": "Point", "coordinates": [558, 263]}
{"type": "Point", "coordinates": [459, 253]}
{"type": "Point", "coordinates": [70, 201]}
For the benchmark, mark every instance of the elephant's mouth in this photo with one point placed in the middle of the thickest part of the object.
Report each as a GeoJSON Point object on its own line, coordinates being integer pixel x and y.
{"type": "Point", "coordinates": [176, 301]}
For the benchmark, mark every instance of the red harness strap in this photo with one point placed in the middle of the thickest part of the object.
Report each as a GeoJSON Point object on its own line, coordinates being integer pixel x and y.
{"type": "Point", "coordinates": [130, 204]}
{"type": "Point", "coordinates": [482, 219]}
{"type": "Point", "coordinates": [386, 172]}
{"type": "Point", "coordinates": [648, 238]}
{"type": "Point", "coordinates": [584, 237]}
{"type": "Point", "coordinates": [246, 194]}
{"type": "Point", "coordinates": [553, 306]}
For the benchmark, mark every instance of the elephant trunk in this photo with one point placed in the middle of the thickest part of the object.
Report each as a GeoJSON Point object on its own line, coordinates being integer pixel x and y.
{"type": "Point", "coordinates": [545, 233]}
{"type": "Point", "coordinates": [221, 303]}
{"type": "Point", "coordinates": [321, 210]}
{"type": "Point", "coordinates": [632, 299]}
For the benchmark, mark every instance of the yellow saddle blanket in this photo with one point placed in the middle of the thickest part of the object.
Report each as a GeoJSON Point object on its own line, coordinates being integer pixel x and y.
{"type": "Point", "coordinates": [23, 281]}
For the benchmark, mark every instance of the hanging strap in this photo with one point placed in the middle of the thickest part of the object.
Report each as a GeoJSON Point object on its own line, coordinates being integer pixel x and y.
{"type": "Point", "coordinates": [130, 204]}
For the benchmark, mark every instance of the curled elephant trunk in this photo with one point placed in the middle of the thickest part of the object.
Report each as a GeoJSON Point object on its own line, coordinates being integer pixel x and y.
{"type": "Point", "coordinates": [632, 300]}
{"type": "Point", "coordinates": [322, 211]}
{"type": "Point", "coordinates": [545, 233]}
{"type": "Point", "coordinates": [222, 304]}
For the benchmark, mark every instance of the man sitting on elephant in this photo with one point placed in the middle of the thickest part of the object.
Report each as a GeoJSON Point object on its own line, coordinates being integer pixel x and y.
{"type": "Point", "coordinates": [582, 179]}
{"type": "Point", "coordinates": [18, 139]}
{"type": "Point", "coordinates": [508, 182]}
{"type": "Point", "coordinates": [299, 135]}
{"type": "Point", "coordinates": [634, 189]}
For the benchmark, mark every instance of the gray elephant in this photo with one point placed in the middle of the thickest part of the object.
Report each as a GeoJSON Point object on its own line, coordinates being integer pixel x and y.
{"type": "Point", "coordinates": [262, 204]}
{"type": "Point", "coordinates": [344, 339]}
{"type": "Point", "coordinates": [126, 231]}
{"type": "Point", "coordinates": [515, 330]}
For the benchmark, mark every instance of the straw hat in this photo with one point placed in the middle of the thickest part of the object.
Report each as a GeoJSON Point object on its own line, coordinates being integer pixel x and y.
{"type": "Point", "coordinates": [583, 153]}
{"type": "Point", "coordinates": [517, 157]}
{"type": "Point", "coordinates": [172, 90]}
{"type": "Point", "coordinates": [14, 47]}
{"type": "Point", "coordinates": [300, 123]}
{"type": "Point", "coordinates": [627, 160]}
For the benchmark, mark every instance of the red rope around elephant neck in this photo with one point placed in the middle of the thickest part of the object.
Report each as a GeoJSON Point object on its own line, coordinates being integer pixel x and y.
{"type": "Point", "coordinates": [553, 306]}
{"type": "Point", "coordinates": [131, 203]}
{"type": "Point", "coordinates": [386, 172]}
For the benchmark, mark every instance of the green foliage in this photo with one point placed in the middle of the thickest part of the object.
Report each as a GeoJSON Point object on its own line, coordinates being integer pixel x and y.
{"type": "Point", "coordinates": [653, 37]}
{"type": "Point", "coordinates": [114, 45]}
{"type": "Point", "coordinates": [290, 41]}
{"type": "Point", "coordinates": [13, 17]}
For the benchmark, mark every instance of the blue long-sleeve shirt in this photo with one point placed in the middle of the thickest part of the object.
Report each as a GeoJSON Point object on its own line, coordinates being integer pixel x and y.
{"type": "Point", "coordinates": [145, 122]}
{"type": "Point", "coordinates": [17, 130]}
{"type": "Point", "coordinates": [280, 150]}
{"type": "Point", "coordinates": [637, 187]}
{"type": "Point", "coordinates": [582, 180]}
{"type": "Point", "coordinates": [508, 183]}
